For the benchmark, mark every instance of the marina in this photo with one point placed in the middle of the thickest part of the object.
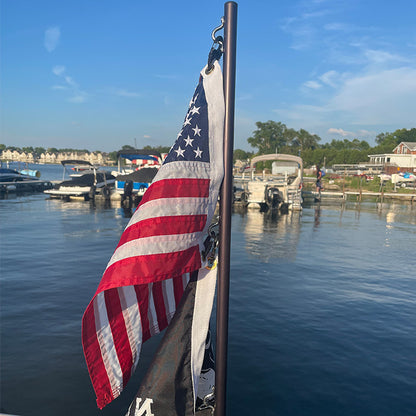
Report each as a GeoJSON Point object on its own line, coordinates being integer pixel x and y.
{"type": "Point", "coordinates": [321, 310]}
{"type": "Point", "coordinates": [290, 291]}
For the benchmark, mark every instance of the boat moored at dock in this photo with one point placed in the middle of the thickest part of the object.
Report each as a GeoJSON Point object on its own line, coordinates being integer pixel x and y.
{"type": "Point", "coordinates": [85, 181]}
{"type": "Point", "coordinates": [131, 183]}
{"type": "Point", "coordinates": [280, 189]}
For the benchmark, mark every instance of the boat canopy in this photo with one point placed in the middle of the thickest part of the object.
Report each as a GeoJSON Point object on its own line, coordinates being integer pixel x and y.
{"type": "Point", "coordinates": [143, 154]}
{"type": "Point", "coordinates": [75, 162]}
{"type": "Point", "coordinates": [277, 156]}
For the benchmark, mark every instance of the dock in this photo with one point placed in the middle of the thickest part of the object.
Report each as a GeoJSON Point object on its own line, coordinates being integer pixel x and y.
{"type": "Point", "coordinates": [311, 196]}
{"type": "Point", "coordinates": [22, 187]}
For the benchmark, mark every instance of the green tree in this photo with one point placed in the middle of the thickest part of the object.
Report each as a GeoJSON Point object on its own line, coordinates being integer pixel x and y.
{"type": "Point", "coordinates": [113, 156]}
{"type": "Point", "coordinates": [159, 149]}
{"type": "Point", "coordinates": [400, 135]}
{"type": "Point", "coordinates": [270, 137]}
{"type": "Point", "coordinates": [13, 148]}
{"type": "Point", "coordinates": [304, 140]}
{"type": "Point", "coordinates": [240, 154]}
{"type": "Point", "coordinates": [127, 147]}
{"type": "Point", "coordinates": [364, 146]}
{"type": "Point", "coordinates": [388, 141]}
{"type": "Point", "coordinates": [39, 150]}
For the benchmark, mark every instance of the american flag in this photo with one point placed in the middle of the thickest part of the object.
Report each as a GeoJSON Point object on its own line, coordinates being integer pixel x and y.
{"type": "Point", "coordinates": [160, 247]}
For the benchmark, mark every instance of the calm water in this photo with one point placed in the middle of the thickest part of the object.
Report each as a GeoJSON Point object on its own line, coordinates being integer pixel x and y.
{"type": "Point", "coordinates": [322, 308]}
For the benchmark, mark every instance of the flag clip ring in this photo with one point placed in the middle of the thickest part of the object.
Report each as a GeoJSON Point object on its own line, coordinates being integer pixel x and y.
{"type": "Point", "coordinates": [209, 254]}
{"type": "Point", "coordinates": [215, 54]}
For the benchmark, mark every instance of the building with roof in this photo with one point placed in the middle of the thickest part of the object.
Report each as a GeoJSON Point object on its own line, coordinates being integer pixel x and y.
{"type": "Point", "coordinates": [403, 158]}
{"type": "Point", "coordinates": [405, 148]}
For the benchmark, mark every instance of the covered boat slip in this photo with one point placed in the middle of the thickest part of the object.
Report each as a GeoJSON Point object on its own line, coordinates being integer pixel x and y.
{"type": "Point", "coordinates": [134, 181]}
{"type": "Point", "coordinates": [281, 189]}
{"type": "Point", "coordinates": [140, 180]}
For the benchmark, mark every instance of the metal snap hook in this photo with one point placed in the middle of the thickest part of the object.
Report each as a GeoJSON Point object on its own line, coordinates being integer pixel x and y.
{"type": "Point", "coordinates": [217, 29]}
{"type": "Point", "coordinates": [215, 54]}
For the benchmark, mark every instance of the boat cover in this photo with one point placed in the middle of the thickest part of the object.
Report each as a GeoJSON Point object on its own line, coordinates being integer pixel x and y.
{"type": "Point", "coordinates": [87, 179]}
{"type": "Point", "coordinates": [143, 154]}
{"type": "Point", "coordinates": [144, 175]}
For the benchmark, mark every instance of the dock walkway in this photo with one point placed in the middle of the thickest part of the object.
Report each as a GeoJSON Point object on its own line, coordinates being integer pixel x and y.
{"type": "Point", "coordinates": [26, 186]}
{"type": "Point", "coordinates": [347, 195]}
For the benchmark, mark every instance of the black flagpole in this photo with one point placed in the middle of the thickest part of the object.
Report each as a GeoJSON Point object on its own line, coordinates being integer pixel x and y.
{"type": "Point", "coordinates": [230, 35]}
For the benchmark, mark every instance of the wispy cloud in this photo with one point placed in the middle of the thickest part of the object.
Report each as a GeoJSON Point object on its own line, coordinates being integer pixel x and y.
{"type": "Point", "coordinates": [338, 27]}
{"type": "Point", "coordinates": [312, 85]}
{"type": "Point", "coordinates": [76, 94]}
{"type": "Point", "coordinates": [357, 134]}
{"type": "Point", "coordinates": [121, 92]}
{"type": "Point", "coordinates": [52, 37]}
{"type": "Point", "coordinates": [341, 132]}
{"type": "Point", "coordinates": [377, 97]}
{"type": "Point", "coordinates": [382, 57]}
{"type": "Point", "coordinates": [370, 99]}
{"type": "Point", "coordinates": [58, 70]}
{"type": "Point", "coordinates": [362, 79]}
{"type": "Point", "coordinates": [304, 27]}
{"type": "Point", "coordinates": [331, 78]}
{"type": "Point", "coordinates": [366, 133]}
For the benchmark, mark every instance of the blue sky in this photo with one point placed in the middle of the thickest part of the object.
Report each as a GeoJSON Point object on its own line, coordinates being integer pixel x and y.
{"type": "Point", "coordinates": [101, 74]}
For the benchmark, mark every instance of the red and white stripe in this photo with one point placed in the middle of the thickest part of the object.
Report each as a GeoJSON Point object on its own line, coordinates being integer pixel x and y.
{"type": "Point", "coordinates": [123, 319]}
{"type": "Point", "coordinates": [135, 299]}
{"type": "Point", "coordinates": [148, 272]}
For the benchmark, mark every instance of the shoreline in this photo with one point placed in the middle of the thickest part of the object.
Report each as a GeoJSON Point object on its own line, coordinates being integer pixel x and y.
{"type": "Point", "coordinates": [358, 196]}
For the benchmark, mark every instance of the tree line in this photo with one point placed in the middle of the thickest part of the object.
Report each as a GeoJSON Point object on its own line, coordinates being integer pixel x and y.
{"type": "Point", "coordinates": [276, 137]}
{"type": "Point", "coordinates": [37, 151]}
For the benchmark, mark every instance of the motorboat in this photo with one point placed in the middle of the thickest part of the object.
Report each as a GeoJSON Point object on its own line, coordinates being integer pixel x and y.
{"type": "Point", "coordinates": [14, 181]}
{"type": "Point", "coordinates": [281, 189]}
{"type": "Point", "coordinates": [132, 182]}
{"type": "Point", "coordinates": [12, 175]}
{"type": "Point", "coordinates": [85, 181]}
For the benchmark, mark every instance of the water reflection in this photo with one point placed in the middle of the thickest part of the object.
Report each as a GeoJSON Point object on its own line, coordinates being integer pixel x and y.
{"type": "Point", "coordinates": [127, 212]}
{"type": "Point", "coordinates": [271, 235]}
{"type": "Point", "coordinates": [83, 220]}
{"type": "Point", "coordinates": [317, 217]}
{"type": "Point", "coordinates": [397, 213]}
{"type": "Point", "coordinates": [91, 206]}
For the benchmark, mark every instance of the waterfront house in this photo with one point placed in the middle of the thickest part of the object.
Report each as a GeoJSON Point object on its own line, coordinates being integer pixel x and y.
{"type": "Point", "coordinates": [403, 158]}
{"type": "Point", "coordinates": [405, 148]}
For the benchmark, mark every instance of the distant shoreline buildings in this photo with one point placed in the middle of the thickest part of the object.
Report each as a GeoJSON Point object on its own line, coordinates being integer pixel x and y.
{"type": "Point", "coordinates": [402, 159]}
{"type": "Point", "coordinates": [96, 158]}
